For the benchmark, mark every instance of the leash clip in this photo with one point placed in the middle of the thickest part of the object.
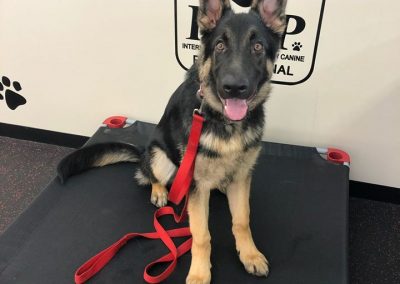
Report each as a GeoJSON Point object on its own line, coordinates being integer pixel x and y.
{"type": "Point", "coordinates": [199, 111]}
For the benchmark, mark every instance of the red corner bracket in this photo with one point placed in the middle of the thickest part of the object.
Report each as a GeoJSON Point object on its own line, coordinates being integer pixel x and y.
{"type": "Point", "coordinates": [115, 121]}
{"type": "Point", "coordinates": [335, 155]}
{"type": "Point", "coordinates": [338, 156]}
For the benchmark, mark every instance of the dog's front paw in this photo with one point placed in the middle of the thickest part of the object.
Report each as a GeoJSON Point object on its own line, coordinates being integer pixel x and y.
{"type": "Point", "coordinates": [198, 279]}
{"type": "Point", "coordinates": [255, 263]}
{"type": "Point", "coordinates": [159, 195]}
{"type": "Point", "coordinates": [159, 199]}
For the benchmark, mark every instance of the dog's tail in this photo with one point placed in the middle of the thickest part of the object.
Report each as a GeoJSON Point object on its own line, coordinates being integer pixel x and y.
{"type": "Point", "coordinates": [96, 155]}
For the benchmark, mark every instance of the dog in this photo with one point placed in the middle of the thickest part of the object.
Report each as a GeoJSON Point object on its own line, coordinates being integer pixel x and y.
{"type": "Point", "coordinates": [232, 74]}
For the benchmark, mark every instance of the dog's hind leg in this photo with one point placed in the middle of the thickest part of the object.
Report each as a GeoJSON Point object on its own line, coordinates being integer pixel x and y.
{"type": "Point", "coordinates": [238, 195]}
{"type": "Point", "coordinates": [200, 268]}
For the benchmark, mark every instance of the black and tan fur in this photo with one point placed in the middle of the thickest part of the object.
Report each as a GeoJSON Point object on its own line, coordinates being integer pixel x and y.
{"type": "Point", "coordinates": [238, 51]}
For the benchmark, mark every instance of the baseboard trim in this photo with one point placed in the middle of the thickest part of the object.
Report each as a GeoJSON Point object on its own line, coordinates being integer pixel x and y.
{"type": "Point", "coordinates": [41, 135]}
{"type": "Point", "coordinates": [374, 192]}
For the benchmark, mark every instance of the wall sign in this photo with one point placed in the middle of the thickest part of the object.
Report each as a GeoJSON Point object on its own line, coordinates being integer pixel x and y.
{"type": "Point", "coordinates": [296, 58]}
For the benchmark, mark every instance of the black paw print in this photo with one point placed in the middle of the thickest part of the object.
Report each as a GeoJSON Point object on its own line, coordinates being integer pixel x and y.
{"type": "Point", "coordinates": [13, 99]}
{"type": "Point", "coordinates": [297, 46]}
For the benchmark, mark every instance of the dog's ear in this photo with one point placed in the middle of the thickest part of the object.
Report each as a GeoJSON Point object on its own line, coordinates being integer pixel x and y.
{"type": "Point", "coordinates": [210, 11]}
{"type": "Point", "coordinates": [272, 13]}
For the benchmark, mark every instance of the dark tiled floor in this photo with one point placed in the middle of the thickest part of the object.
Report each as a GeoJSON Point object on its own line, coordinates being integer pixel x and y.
{"type": "Point", "coordinates": [25, 169]}
{"type": "Point", "coordinates": [374, 242]}
{"type": "Point", "coordinates": [374, 252]}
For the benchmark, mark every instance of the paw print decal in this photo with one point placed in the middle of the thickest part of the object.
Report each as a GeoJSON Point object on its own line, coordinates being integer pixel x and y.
{"type": "Point", "coordinates": [13, 99]}
{"type": "Point", "coordinates": [297, 46]}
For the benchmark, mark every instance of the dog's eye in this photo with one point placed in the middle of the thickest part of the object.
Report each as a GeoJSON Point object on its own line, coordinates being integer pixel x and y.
{"type": "Point", "coordinates": [258, 47]}
{"type": "Point", "coordinates": [220, 46]}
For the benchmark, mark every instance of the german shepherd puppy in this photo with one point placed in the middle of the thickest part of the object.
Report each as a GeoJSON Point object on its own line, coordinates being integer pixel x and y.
{"type": "Point", "coordinates": [233, 74]}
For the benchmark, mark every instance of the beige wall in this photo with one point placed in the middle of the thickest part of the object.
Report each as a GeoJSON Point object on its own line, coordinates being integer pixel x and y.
{"type": "Point", "coordinates": [81, 61]}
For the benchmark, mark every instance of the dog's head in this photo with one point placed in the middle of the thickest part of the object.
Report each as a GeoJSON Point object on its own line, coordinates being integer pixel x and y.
{"type": "Point", "coordinates": [238, 52]}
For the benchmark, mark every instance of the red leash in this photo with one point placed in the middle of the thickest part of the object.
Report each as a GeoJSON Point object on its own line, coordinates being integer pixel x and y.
{"type": "Point", "coordinates": [179, 190]}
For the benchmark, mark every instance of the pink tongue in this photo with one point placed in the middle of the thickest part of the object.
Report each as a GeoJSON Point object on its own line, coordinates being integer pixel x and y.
{"type": "Point", "coordinates": [235, 109]}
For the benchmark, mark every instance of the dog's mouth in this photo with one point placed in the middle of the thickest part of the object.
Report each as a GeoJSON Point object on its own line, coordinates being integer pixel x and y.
{"type": "Point", "coordinates": [236, 109]}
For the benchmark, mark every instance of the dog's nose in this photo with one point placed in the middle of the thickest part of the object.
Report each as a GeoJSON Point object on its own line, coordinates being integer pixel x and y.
{"type": "Point", "coordinates": [234, 87]}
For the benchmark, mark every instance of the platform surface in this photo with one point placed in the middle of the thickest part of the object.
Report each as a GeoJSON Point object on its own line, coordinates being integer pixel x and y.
{"type": "Point", "coordinates": [299, 207]}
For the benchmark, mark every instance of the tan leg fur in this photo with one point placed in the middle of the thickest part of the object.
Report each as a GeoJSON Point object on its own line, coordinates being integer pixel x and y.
{"type": "Point", "coordinates": [200, 268]}
{"type": "Point", "coordinates": [238, 197]}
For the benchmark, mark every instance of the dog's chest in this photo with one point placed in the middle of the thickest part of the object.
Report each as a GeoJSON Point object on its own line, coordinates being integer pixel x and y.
{"type": "Point", "coordinates": [220, 160]}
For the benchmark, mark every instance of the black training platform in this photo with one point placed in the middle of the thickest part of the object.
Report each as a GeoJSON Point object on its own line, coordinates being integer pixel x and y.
{"type": "Point", "coordinates": [298, 216]}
